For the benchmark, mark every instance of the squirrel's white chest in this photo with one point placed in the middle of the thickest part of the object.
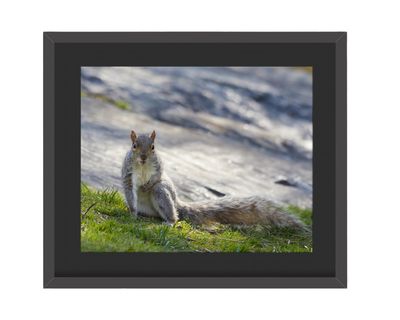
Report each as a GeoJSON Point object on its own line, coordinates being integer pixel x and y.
{"type": "Point", "coordinates": [143, 173]}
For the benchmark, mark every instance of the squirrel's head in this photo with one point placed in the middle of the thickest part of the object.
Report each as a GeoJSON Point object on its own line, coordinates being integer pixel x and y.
{"type": "Point", "coordinates": [143, 146]}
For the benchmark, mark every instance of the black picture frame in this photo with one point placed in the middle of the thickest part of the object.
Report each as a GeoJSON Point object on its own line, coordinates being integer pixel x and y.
{"type": "Point", "coordinates": [64, 264]}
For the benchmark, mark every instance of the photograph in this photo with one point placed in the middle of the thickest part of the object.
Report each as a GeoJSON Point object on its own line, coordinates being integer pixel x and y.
{"type": "Point", "coordinates": [196, 159]}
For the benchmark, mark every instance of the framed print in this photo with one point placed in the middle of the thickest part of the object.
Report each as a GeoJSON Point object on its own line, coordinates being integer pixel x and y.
{"type": "Point", "coordinates": [195, 160]}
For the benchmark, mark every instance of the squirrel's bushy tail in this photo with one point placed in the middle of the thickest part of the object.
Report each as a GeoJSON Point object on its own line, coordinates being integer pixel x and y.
{"type": "Point", "coordinates": [245, 211]}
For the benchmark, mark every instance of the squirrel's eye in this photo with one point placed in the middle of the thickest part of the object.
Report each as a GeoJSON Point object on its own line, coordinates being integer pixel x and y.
{"type": "Point", "coordinates": [134, 146]}
{"type": "Point", "coordinates": [152, 147]}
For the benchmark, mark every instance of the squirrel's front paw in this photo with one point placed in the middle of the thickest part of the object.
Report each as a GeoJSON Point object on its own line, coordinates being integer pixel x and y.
{"type": "Point", "coordinates": [146, 187]}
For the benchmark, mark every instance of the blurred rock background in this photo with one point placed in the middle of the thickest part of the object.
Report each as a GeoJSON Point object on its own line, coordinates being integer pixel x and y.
{"type": "Point", "coordinates": [220, 130]}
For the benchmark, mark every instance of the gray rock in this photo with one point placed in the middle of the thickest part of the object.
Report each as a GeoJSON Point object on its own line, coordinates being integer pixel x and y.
{"type": "Point", "coordinates": [217, 132]}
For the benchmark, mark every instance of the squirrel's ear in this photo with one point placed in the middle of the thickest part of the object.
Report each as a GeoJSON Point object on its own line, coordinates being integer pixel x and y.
{"type": "Point", "coordinates": [133, 136]}
{"type": "Point", "coordinates": [153, 135]}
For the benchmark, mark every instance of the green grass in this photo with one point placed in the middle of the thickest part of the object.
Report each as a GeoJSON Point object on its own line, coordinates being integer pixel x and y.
{"type": "Point", "coordinates": [120, 104]}
{"type": "Point", "coordinates": [306, 69]}
{"type": "Point", "coordinates": [107, 226]}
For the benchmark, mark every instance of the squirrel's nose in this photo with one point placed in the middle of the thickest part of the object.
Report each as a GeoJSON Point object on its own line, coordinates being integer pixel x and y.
{"type": "Point", "coordinates": [143, 157]}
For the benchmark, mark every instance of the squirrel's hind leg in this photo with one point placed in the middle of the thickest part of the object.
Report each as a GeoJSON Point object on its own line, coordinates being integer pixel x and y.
{"type": "Point", "coordinates": [164, 204]}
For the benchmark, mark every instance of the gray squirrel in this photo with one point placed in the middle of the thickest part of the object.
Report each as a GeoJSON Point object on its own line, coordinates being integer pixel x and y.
{"type": "Point", "coordinates": [150, 192]}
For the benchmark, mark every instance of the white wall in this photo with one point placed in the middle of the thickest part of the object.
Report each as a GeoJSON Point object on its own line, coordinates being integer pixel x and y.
{"type": "Point", "coordinates": [374, 121]}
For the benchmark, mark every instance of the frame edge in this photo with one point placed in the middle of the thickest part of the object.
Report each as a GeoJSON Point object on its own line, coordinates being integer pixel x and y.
{"type": "Point", "coordinates": [194, 37]}
{"type": "Point", "coordinates": [48, 159]}
{"type": "Point", "coordinates": [341, 158]}
{"type": "Point", "coordinates": [194, 282]}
